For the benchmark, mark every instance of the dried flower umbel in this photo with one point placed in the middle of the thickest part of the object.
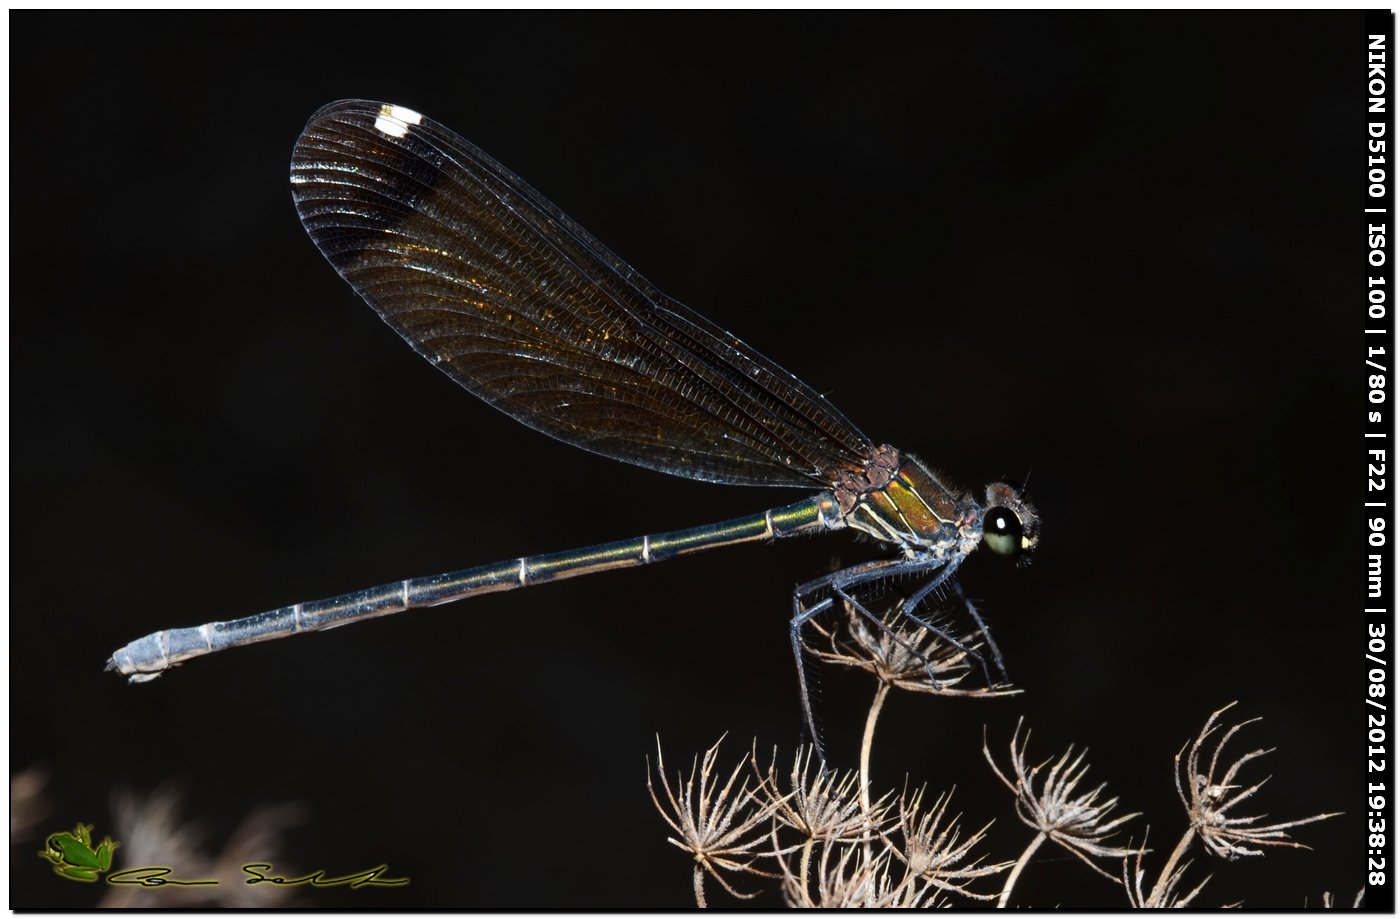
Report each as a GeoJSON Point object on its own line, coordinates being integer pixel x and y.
{"type": "Point", "coordinates": [1077, 821]}
{"type": "Point", "coordinates": [899, 852]}
{"type": "Point", "coordinates": [919, 855]}
{"type": "Point", "coordinates": [1208, 795]}
{"type": "Point", "coordinates": [932, 849]}
{"type": "Point", "coordinates": [850, 878]}
{"type": "Point", "coordinates": [900, 654]}
{"type": "Point", "coordinates": [829, 849]}
{"type": "Point", "coordinates": [822, 804]}
{"type": "Point", "coordinates": [903, 654]}
{"type": "Point", "coordinates": [720, 826]}
{"type": "Point", "coordinates": [824, 807]}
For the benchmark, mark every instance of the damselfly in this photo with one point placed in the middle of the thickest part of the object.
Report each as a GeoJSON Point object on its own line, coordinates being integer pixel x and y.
{"type": "Point", "coordinates": [517, 303]}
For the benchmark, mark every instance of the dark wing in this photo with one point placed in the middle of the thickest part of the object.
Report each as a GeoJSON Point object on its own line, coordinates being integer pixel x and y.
{"type": "Point", "coordinates": [508, 296]}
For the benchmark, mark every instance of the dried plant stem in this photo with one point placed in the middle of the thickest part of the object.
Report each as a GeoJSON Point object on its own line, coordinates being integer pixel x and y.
{"type": "Point", "coordinates": [867, 742]}
{"type": "Point", "coordinates": [699, 881]}
{"type": "Point", "coordinates": [1016, 871]}
{"type": "Point", "coordinates": [805, 864]}
{"type": "Point", "coordinates": [1167, 871]}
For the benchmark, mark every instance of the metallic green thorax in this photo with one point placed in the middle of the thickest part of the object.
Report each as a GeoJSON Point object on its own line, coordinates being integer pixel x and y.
{"type": "Point", "coordinates": [899, 500]}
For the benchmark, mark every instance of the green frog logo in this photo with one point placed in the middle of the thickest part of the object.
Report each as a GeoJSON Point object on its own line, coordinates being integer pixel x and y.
{"type": "Point", "coordinates": [73, 856]}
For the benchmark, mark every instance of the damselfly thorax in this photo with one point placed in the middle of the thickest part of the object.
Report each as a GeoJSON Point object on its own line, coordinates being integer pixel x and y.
{"type": "Point", "coordinates": [898, 499]}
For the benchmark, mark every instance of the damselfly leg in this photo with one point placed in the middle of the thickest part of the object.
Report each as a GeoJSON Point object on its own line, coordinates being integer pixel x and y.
{"type": "Point", "coordinates": [816, 597]}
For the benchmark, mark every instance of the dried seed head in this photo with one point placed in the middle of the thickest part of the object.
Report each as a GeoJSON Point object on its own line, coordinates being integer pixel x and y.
{"type": "Point", "coordinates": [719, 825]}
{"type": "Point", "coordinates": [904, 654]}
{"type": "Point", "coordinates": [1078, 821]}
{"type": "Point", "coordinates": [1208, 795]}
{"type": "Point", "coordinates": [849, 876]}
{"type": "Point", "coordinates": [822, 804]}
{"type": "Point", "coordinates": [932, 849]}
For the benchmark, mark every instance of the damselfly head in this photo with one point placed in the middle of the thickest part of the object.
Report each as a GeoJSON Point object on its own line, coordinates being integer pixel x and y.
{"type": "Point", "coordinates": [1010, 525]}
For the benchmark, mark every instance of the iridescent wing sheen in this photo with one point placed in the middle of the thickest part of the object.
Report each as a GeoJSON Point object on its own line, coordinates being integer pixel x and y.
{"type": "Point", "coordinates": [520, 305]}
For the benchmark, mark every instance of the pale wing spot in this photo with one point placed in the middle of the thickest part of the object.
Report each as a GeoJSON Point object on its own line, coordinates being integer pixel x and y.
{"type": "Point", "coordinates": [395, 120]}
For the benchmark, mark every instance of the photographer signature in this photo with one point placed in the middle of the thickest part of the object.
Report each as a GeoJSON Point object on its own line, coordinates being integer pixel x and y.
{"type": "Point", "coordinates": [259, 873]}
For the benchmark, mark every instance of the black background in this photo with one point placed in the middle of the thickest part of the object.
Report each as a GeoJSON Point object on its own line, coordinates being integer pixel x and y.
{"type": "Point", "coordinates": [1124, 252]}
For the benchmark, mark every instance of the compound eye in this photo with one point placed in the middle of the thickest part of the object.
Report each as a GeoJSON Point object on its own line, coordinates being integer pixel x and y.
{"type": "Point", "coordinates": [1001, 531]}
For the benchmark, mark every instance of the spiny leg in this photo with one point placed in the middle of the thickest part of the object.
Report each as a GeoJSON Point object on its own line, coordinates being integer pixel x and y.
{"type": "Point", "coordinates": [918, 597]}
{"type": "Point", "coordinates": [982, 629]}
{"type": "Point", "coordinates": [946, 576]}
{"type": "Point", "coordinates": [947, 636]}
{"type": "Point", "coordinates": [895, 636]}
{"type": "Point", "coordinates": [839, 583]}
{"type": "Point", "coordinates": [800, 617]}
{"type": "Point", "coordinates": [868, 573]}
